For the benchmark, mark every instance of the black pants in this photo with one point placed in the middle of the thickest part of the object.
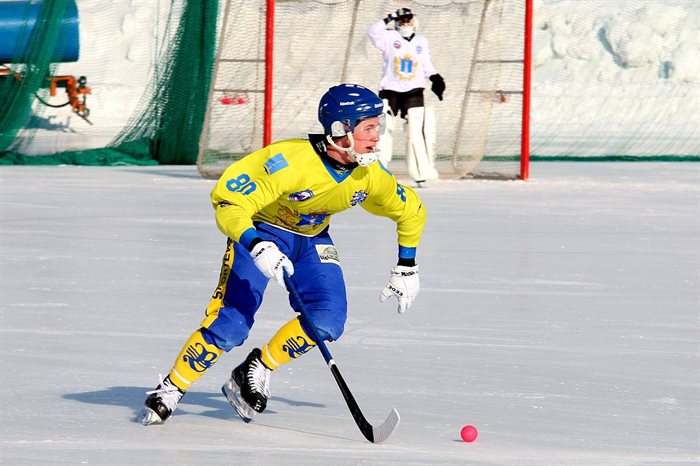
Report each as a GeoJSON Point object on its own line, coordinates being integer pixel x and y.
{"type": "Point", "coordinates": [402, 101]}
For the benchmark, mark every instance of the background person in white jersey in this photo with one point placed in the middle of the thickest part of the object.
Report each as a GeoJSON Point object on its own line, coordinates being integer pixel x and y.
{"type": "Point", "coordinates": [407, 69]}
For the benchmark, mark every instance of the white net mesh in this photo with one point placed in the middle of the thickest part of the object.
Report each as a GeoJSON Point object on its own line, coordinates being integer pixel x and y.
{"type": "Point", "coordinates": [477, 46]}
{"type": "Point", "coordinates": [610, 80]}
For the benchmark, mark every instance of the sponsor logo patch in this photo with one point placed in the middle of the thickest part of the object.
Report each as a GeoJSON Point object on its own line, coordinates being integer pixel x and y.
{"type": "Point", "coordinates": [328, 253]}
{"type": "Point", "coordinates": [314, 218]}
{"type": "Point", "coordinates": [358, 197]}
{"type": "Point", "coordinates": [276, 163]}
{"type": "Point", "coordinates": [301, 196]}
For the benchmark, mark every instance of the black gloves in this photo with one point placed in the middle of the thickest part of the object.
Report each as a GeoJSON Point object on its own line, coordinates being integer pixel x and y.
{"type": "Point", "coordinates": [401, 13]}
{"type": "Point", "coordinates": [438, 86]}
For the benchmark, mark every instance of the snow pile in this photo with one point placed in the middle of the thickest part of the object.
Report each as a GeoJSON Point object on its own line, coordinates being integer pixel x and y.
{"type": "Point", "coordinates": [620, 77]}
{"type": "Point", "coordinates": [657, 37]}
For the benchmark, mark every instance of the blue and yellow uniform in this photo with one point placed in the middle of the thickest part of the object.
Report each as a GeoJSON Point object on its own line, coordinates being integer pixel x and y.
{"type": "Point", "coordinates": [286, 193]}
{"type": "Point", "coordinates": [276, 204]}
{"type": "Point", "coordinates": [294, 186]}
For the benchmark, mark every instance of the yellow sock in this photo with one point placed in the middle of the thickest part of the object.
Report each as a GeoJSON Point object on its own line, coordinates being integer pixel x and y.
{"type": "Point", "coordinates": [194, 359]}
{"type": "Point", "coordinates": [289, 343]}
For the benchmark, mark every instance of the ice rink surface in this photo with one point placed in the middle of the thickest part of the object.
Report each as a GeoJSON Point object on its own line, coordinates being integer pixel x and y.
{"type": "Point", "coordinates": [560, 316]}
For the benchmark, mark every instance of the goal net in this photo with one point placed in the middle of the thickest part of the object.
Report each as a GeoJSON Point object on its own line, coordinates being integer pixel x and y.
{"type": "Point", "coordinates": [610, 80]}
{"type": "Point", "coordinates": [477, 46]}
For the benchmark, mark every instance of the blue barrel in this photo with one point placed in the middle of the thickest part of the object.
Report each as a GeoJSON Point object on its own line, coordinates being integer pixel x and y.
{"type": "Point", "coordinates": [17, 21]}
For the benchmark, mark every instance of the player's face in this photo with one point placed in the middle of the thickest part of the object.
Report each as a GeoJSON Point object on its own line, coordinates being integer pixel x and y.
{"type": "Point", "coordinates": [366, 135]}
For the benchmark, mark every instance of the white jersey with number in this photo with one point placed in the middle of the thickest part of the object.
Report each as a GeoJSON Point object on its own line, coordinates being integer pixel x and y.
{"type": "Point", "coordinates": [407, 63]}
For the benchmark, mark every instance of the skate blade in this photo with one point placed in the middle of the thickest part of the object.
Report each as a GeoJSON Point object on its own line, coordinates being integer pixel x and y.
{"type": "Point", "coordinates": [232, 392]}
{"type": "Point", "coordinates": [148, 417]}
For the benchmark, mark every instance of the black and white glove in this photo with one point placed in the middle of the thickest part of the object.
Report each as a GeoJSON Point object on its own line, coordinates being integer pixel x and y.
{"type": "Point", "coordinates": [403, 284]}
{"type": "Point", "coordinates": [438, 86]}
{"type": "Point", "coordinates": [389, 18]}
{"type": "Point", "coordinates": [271, 262]}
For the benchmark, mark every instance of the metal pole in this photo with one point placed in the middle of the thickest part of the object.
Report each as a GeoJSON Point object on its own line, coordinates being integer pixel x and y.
{"type": "Point", "coordinates": [527, 75]}
{"type": "Point", "coordinates": [269, 53]}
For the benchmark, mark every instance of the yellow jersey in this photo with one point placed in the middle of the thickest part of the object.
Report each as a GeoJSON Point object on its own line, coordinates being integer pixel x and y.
{"type": "Point", "coordinates": [295, 186]}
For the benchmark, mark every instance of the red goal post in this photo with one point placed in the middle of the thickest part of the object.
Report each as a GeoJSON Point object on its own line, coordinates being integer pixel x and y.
{"type": "Point", "coordinates": [276, 58]}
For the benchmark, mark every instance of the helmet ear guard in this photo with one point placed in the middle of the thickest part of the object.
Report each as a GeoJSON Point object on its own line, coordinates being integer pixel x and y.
{"type": "Point", "coordinates": [338, 129]}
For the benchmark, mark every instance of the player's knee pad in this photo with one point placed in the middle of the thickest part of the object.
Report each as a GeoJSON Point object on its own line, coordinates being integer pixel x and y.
{"type": "Point", "coordinates": [430, 132]}
{"type": "Point", "coordinates": [328, 329]}
{"type": "Point", "coordinates": [229, 328]}
{"type": "Point", "coordinates": [415, 118]}
{"type": "Point", "coordinates": [329, 326]}
{"type": "Point", "coordinates": [418, 154]}
{"type": "Point", "coordinates": [390, 119]}
{"type": "Point", "coordinates": [322, 290]}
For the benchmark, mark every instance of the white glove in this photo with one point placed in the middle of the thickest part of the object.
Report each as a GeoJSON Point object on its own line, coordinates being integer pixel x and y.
{"type": "Point", "coordinates": [270, 260]}
{"type": "Point", "coordinates": [403, 284]}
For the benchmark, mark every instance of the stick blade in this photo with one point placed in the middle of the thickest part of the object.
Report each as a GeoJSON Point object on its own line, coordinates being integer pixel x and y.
{"type": "Point", "coordinates": [382, 432]}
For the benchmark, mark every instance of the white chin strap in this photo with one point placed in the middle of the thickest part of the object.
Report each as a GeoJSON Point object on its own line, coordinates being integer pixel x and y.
{"type": "Point", "coordinates": [363, 160]}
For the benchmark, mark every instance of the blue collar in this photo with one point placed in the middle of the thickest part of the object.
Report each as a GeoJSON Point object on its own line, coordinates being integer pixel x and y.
{"type": "Point", "coordinates": [337, 170]}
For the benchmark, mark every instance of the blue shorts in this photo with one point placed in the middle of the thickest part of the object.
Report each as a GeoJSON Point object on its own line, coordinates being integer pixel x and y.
{"type": "Point", "coordinates": [317, 276]}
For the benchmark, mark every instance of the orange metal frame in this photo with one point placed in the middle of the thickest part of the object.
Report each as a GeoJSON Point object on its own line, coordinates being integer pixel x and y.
{"type": "Point", "coordinates": [74, 88]}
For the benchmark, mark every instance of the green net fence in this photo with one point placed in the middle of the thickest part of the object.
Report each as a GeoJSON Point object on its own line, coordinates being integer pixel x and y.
{"type": "Point", "coordinates": [31, 63]}
{"type": "Point", "coordinates": [167, 109]}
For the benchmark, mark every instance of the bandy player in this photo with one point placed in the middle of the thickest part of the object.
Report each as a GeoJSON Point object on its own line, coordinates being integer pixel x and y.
{"type": "Point", "coordinates": [274, 206]}
{"type": "Point", "coordinates": [407, 67]}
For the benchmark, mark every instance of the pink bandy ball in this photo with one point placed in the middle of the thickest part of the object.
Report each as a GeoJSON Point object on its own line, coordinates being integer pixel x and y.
{"type": "Point", "coordinates": [469, 433]}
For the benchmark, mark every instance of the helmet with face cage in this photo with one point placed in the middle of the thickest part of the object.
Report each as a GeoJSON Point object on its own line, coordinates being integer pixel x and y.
{"type": "Point", "coordinates": [343, 106]}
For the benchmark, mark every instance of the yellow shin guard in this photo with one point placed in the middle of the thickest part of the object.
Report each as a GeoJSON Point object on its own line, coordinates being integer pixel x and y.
{"type": "Point", "coordinates": [289, 343]}
{"type": "Point", "coordinates": [194, 359]}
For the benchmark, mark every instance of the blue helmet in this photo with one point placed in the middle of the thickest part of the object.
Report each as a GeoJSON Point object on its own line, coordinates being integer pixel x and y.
{"type": "Point", "coordinates": [344, 105]}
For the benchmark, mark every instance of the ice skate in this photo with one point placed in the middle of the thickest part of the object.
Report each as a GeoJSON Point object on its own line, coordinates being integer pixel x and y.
{"type": "Point", "coordinates": [248, 389]}
{"type": "Point", "coordinates": [160, 403]}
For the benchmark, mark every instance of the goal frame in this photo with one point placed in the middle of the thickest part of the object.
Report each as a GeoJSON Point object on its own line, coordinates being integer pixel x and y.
{"type": "Point", "coordinates": [267, 91]}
